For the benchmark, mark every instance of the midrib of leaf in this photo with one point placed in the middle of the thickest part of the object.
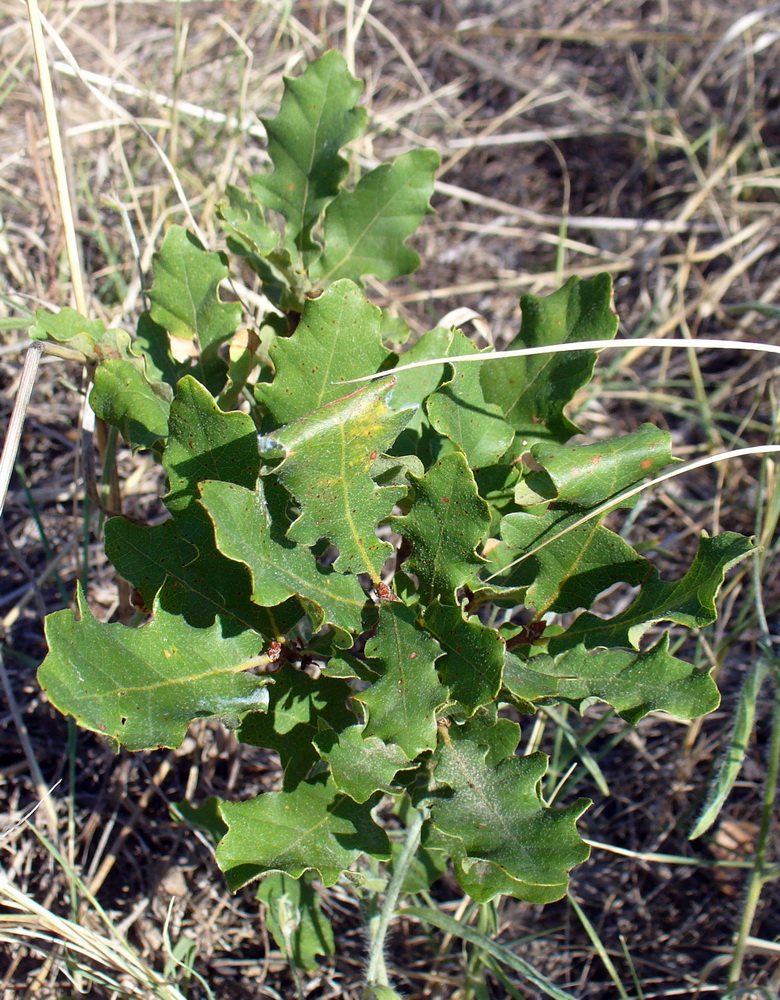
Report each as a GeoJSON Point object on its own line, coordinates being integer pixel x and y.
{"type": "Point", "coordinates": [254, 661]}
{"type": "Point", "coordinates": [348, 513]}
{"type": "Point", "coordinates": [567, 573]}
{"type": "Point", "coordinates": [447, 647]}
{"type": "Point", "coordinates": [326, 277]}
{"type": "Point", "coordinates": [478, 794]}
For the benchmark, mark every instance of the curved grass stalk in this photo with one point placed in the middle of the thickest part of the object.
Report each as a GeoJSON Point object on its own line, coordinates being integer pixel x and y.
{"type": "Point", "coordinates": [698, 463]}
{"type": "Point", "coordinates": [700, 344]}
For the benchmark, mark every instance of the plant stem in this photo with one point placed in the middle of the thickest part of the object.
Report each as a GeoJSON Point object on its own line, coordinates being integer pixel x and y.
{"type": "Point", "coordinates": [377, 972]}
{"type": "Point", "coordinates": [758, 875]}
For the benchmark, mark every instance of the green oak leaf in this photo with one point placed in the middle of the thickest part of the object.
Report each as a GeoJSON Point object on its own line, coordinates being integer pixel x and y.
{"type": "Point", "coordinates": [204, 817]}
{"type": "Point", "coordinates": [360, 765]}
{"type": "Point", "coordinates": [245, 225]}
{"type": "Point", "coordinates": [178, 562]}
{"type": "Point", "coordinates": [448, 520]}
{"type": "Point", "coordinates": [327, 463]}
{"type": "Point", "coordinates": [474, 660]}
{"type": "Point", "coordinates": [338, 338]}
{"type": "Point", "coordinates": [689, 601]}
{"type": "Point", "coordinates": [566, 573]}
{"type": "Point", "coordinates": [129, 390]}
{"type": "Point", "coordinates": [290, 724]}
{"type": "Point", "coordinates": [364, 230]}
{"type": "Point", "coordinates": [142, 687]}
{"type": "Point", "coordinates": [458, 410]}
{"type": "Point", "coordinates": [500, 736]}
{"type": "Point", "coordinates": [484, 880]}
{"type": "Point", "coordinates": [206, 443]}
{"type": "Point", "coordinates": [316, 118]}
{"type": "Point", "coordinates": [185, 301]}
{"type": "Point", "coordinates": [635, 684]}
{"type": "Point", "coordinates": [71, 328]}
{"type": "Point", "coordinates": [532, 392]}
{"type": "Point", "coordinates": [124, 397]}
{"type": "Point", "coordinates": [498, 815]}
{"type": "Point", "coordinates": [586, 476]}
{"type": "Point", "coordinates": [293, 915]}
{"type": "Point", "coordinates": [245, 532]}
{"type": "Point", "coordinates": [401, 705]}
{"type": "Point", "coordinates": [313, 828]}
{"type": "Point", "coordinates": [179, 558]}
{"type": "Point", "coordinates": [569, 572]}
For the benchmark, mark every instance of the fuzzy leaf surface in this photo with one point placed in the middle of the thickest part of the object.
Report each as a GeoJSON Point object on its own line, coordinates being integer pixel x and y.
{"type": "Point", "coordinates": [296, 705]}
{"type": "Point", "coordinates": [459, 410]}
{"type": "Point", "coordinates": [364, 230]}
{"type": "Point", "coordinates": [532, 392]}
{"type": "Point", "coordinates": [635, 684]}
{"type": "Point", "coordinates": [338, 338]}
{"type": "Point", "coordinates": [316, 118]}
{"type": "Point", "coordinates": [313, 828]}
{"type": "Point", "coordinates": [689, 601]}
{"type": "Point", "coordinates": [498, 815]}
{"type": "Point", "coordinates": [185, 300]}
{"type": "Point", "coordinates": [328, 458]}
{"type": "Point", "coordinates": [123, 397]}
{"type": "Point", "coordinates": [360, 765]}
{"type": "Point", "coordinates": [402, 703]}
{"type": "Point", "coordinates": [245, 532]}
{"type": "Point", "coordinates": [448, 520]}
{"type": "Point", "coordinates": [474, 660]}
{"type": "Point", "coordinates": [143, 686]}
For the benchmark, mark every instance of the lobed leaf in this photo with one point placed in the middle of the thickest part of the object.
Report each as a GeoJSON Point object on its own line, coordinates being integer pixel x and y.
{"type": "Point", "coordinates": [532, 392]}
{"type": "Point", "coordinates": [245, 533]}
{"type": "Point", "coordinates": [338, 338]}
{"type": "Point", "coordinates": [143, 686]}
{"type": "Point", "coordinates": [313, 828]}
{"type": "Point", "coordinates": [474, 660]}
{"type": "Point", "coordinates": [126, 399]}
{"type": "Point", "coordinates": [689, 601]}
{"type": "Point", "coordinates": [316, 118]}
{"type": "Point", "coordinates": [635, 684]}
{"type": "Point", "coordinates": [364, 230]}
{"type": "Point", "coordinates": [402, 703]}
{"type": "Point", "coordinates": [448, 520]}
{"type": "Point", "coordinates": [327, 461]}
{"type": "Point", "coordinates": [185, 301]}
{"type": "Point", "coordinates": [498, 815]}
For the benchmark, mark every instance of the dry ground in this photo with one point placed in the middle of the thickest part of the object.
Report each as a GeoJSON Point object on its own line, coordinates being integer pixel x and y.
{"type": "Point", "coordinates": [640, 138]}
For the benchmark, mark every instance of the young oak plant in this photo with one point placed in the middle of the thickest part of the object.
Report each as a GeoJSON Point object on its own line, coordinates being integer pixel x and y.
{"type": "Point", "coordinates": [341, 578]}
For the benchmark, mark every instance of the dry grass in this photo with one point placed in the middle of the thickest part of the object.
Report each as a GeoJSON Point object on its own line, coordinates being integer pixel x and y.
{"type": "Point", "coordinates": [638, 138]}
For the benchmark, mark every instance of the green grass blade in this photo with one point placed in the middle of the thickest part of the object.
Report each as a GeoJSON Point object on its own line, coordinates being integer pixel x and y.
{"type": "Point", "coordinates": [457, 929]}
{"type": "Point", "coordinates": [731, 761]}
{"type": "Point", "coordinates": [598, 944]}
